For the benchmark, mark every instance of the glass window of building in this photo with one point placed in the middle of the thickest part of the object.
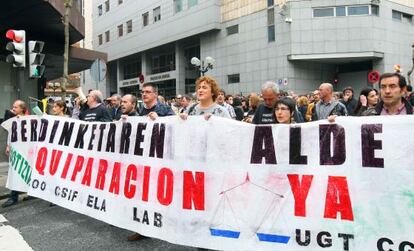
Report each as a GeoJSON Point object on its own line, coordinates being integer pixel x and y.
{"type": "Point", "coordinates": [100, 10]}
{"type": "Point", "coordinates": [120, 30]}
{"type": "Point", "coordinates": [232, 29]}
{"type": "Point", "coordinates": [106, 36]}
{"type": "Point", "coordinates": [375, 10]}
{"type": "Point", "coordinates": [407, 18]}
{"type": "Point", "coordinates": [271, 16]}
{"type": "Point", "coordinates": [270, 3]}
{"type": "Point", "coordinates": [271, 34]}
{"type": "Point", "coordinates": [106, 5]}
{"type": "Point", "coordinates": [178, 6]}
{"type": "Point", "coordinates": [340, 11]}
{"type": "Point", "coordinates": [358, 10]}
{"type": "Point", "coordinates": [396, 15]}
{"type": "Point", "coordinates": [192, 3]}
{"type": "Point", "coordinates": [145, 18]}
{"type": "Point", "coordinates": [131, 69]}
{"type": "Point", "coordinates": [163, 63]}
{"type": "Point", "coordinates": [129, 26]}
{"type": "Point", "coordinates": [233, 78]}
{"type": "Point", "coordinates": [157, 14]}
{"type": "Point", "coordinates": [325, 12]}
{"type": "Point", "coordinates": [189, 53]}
{"type": "Point", "coordinates": [100, 39]}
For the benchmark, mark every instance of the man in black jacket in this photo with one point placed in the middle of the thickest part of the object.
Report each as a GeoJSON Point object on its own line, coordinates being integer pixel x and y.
{"type": "Point", "coordinates": [349, 100]}
{"type": "Point", "coordinates": [96, 109]}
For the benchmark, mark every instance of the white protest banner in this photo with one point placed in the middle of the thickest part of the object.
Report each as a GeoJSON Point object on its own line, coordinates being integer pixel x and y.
{"type": "Point", "coordinates": [222, 184]}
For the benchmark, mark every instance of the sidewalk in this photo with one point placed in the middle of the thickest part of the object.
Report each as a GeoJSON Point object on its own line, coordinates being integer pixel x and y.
{"type": "Point", "coordinates": [4, 168]}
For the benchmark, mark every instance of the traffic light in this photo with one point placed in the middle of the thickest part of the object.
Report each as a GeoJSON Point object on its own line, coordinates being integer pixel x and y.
{"type": "Point", "coordinates": [17, 46]}
{"type": "Point", "coordinates": [36, 58]}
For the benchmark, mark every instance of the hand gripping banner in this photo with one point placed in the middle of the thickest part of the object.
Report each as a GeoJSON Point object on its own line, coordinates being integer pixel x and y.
{"type": "Point", "coordinates": [226, 185]}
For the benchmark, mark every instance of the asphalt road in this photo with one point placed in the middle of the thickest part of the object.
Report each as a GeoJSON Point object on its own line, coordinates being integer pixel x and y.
{"type": "Point", "coordinates": [55, 228]}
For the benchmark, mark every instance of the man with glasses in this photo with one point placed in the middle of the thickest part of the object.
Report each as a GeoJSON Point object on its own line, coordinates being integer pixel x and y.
{"type": "Point", "coordinates": [152, 108]}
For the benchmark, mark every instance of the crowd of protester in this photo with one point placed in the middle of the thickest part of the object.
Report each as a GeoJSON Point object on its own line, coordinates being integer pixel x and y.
{"type": "Point", "coordinates": [270, 106]}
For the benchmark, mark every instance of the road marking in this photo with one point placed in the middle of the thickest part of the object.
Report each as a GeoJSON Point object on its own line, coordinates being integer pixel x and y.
{"type": "Point", "coordinates": [10, 238]}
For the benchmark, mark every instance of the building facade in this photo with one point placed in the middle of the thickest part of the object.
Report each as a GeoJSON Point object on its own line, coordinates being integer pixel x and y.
{"type": "Point", "coordinates": [297, 44]}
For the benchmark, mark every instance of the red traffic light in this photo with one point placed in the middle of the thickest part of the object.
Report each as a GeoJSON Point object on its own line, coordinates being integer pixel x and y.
{"type": "Point", "coordinates": [14, 35]}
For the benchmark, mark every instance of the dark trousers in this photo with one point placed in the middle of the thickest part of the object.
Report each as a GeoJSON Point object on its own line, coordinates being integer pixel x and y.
{"type": "Point", "coordinates": [14, 195]}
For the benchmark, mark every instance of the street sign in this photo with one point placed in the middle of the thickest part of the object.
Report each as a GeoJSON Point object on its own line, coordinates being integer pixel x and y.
{"type": "Point", "coordinates": [98, 70]}
{"type": "Point", "coordinates": [373, 76]}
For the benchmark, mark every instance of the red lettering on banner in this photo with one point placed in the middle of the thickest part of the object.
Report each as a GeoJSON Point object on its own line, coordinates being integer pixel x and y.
{"type": "Point", "coordinates": [337, 199]}
{"type": "Point", "coordinates": [41, 160]}
{"type": "Point", "coordinates": [54, 164]}
{"type": "Point", "coordinates": [193, 190]}
{"type": "Point", "coordinates": [300, 190]}
{"type": "Point", "coordinates": [165, 186]}
{"type": "Point", "coordinates": [145, 183]}
{"type": "Point", "coordinates": [131, 174]}
{"type": "Point", "coordinates": [100, 177]}
{"type": "Point", "coordinates": [66, 167]}
{"type": "Point", "coordinates": [78, 167]}
{"type": "Point", "coordinates": [116, 176]}
{"type": "Point", "coordinates": [86, 180]}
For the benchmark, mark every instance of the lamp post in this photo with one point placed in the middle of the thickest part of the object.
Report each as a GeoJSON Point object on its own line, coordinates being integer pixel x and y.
{"type": "Point", "coordinates": [54, 86]}
{"type": "Point", "coordinates": [203, 65]}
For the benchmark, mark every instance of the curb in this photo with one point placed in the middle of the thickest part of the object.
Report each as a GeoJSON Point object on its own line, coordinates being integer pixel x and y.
{"type": "Point", "coordinates": [4, 196]}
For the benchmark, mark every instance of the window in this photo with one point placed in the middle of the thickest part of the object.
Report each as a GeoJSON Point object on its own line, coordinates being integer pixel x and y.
{"type": "Point", "coordinates": [270, 3]}
{"type": "Point", "coordinates": [375, 10]}
{"type": "Point", "coordinates": [407, 18]}
{"type": "Point", "coordinates": [192, 3]}
{"type": "Point", "coordinates": [271, 35]}
{"type": "Point", "coordinates": [129, 26]}
{"type": "Point", "coordinates": [120, 30]}
{"type": "Point", "coordinates": [145, 19]}
{"type": "Point", "coordinates": [120, 2]}
{"type": "Point", "coordinates": [100, 39]}
{"type": "Point", "coordinates": [396, 15]}
{"type": "Point", "coordinates": [232, 29]}
{"type": "Point", "coordinates": [327, 12]}
{"type": "Point", "coordinates": [271, 16]}
{"type": "Point", "coordinates": [106, 36]}
{"type": "Point", "coordinates": [178, 6]}
{"type": "Point", "coordinates": [106, 5]}
{"type": "Point", "coordinates": [358, 10]}
{"type": "Point", "coordinates": [340, 11]}
{"type": "Point", "coordinates": [157, 14]}
{"type": "Point", "coordinates": [233, 78]}
{"type": "Point", "coordinates": [100, 10]}
{"type": "Point", "coordinates": [163, 63]}
{"type": "Point", "coordinates": [132, 69]}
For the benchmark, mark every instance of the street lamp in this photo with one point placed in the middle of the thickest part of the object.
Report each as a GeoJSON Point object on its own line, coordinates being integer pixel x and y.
{"type": "Point", "coordinates": [203, 66]}
{"type": "Point", "coordinates": [54, 86]}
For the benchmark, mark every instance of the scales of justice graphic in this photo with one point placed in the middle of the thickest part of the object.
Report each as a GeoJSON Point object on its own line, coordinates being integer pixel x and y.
{"type": "Point", "coordinates": [229, 222]}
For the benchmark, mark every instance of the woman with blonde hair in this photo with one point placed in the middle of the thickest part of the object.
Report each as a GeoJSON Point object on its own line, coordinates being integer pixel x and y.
{"type": "Point", "coordinates": [207, 91]}
{"type": "Point", "coordinates": [302, 103]}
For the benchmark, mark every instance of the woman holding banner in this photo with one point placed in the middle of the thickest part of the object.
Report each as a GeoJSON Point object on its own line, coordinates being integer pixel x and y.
{"type": "Point", "coordinates": [284, 110]}
{"type": "Point", "coordinates": [207, 92]}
